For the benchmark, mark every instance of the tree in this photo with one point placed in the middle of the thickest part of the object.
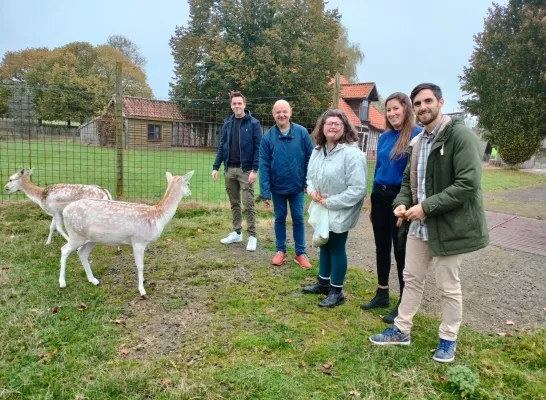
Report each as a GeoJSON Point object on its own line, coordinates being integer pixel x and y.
{"type": "Point", "coordinates": [352, 53]}
{"type": "Point", "coordinates": [267, 49]}
{"type": "Point", "coordinates": [506, 78]}
{"type": "Point", "coordinates": [72, 82]}
{"type": "Point", "coordinates": [128, 48]}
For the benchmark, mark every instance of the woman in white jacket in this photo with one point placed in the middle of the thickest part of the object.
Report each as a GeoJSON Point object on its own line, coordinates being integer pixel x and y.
{"type": "Point", "coordinates": [336, 178]}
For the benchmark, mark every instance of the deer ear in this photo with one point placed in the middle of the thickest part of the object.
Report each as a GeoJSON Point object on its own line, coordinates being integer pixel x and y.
{"type": "Point", "coordinates": [188, 176]}
{"type": "Point", "coordinates": [169, 176]}
{"type": "Point", "coordinates": [28, 172]}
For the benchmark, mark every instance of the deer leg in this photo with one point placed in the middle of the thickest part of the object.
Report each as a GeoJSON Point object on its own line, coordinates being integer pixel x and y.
{"type": "Point", "coordinates": [138, 251]}
{"type": "Point", "coordinates": [66, 250]}
{"type": "Point", "coordinates": [59, 224]}
{"type": "Point", "coordinates": [83, 253]}
{"type": "Point", "coordinates": [51, 229]}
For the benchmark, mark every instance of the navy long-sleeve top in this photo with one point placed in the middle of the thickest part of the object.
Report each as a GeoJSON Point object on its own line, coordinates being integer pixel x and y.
{"type": "Point", "coordinates": [389, 172]}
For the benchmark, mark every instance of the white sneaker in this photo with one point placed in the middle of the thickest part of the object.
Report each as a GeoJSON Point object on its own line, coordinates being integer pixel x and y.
{"type": "Point", "coordinates": [251, 245]}
{"type": "Point", "coordinates": [233, 237]}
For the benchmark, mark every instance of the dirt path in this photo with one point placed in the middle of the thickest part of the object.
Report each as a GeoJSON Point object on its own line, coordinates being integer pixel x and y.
{"type": "Point", "coordinates": [498, 284]}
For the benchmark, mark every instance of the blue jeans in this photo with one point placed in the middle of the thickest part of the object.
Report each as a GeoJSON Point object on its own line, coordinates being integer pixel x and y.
{"type": "Point", "coordinates": [280, 210]}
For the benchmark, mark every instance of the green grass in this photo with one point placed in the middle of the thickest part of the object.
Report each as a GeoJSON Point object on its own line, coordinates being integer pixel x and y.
{"type": "Point", "coordinates": [68, 161]}
{"type": "Point", "coordinates": [220, 323]}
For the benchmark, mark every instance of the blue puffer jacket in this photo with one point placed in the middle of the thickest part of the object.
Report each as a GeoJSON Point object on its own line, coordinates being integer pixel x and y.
{"type": "Point", "coordinates": [251, 136]}
{"type": "Point", "coordinates": [284, 160]}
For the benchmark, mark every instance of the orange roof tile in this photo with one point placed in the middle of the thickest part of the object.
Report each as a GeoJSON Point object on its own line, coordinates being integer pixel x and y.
{"type": "Point", "coordinates": [151, 109]}
{"type": "Point", "coordinates": [353, 118]}
{"type": "Point", "coordinates": [356, 90]}
{"type": "Point", "coordinates": [377, 119]}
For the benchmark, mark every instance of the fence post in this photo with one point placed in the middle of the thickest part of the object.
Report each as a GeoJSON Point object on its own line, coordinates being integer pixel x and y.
{"type": "Point", "coordinates": [119, 133]}
{"type": "Point", "coordinates": [337, 91]}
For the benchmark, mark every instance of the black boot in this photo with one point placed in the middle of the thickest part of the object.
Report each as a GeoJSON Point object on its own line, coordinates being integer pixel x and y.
{"type": "Point", "coordinates": [380, 300]}
{"type": "Point", "coordinates": [321, 287]}
{"type": "Point", "coordinates": [389, 318]}
{"type": "Point", "coordinates": [335, 298]}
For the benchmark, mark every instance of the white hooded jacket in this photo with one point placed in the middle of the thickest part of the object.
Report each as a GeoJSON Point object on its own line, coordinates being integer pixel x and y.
{"type": "Point", "coordinates": [340, 177]}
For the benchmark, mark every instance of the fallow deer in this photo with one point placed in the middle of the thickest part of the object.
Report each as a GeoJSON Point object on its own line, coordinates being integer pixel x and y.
{"type": "Point", "coordinates": [90, 222]}
{"type": "Point", "coordinates": [54, 198]}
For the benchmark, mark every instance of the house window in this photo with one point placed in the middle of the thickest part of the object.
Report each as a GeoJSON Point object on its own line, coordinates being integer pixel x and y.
{"type": "Point", "coordinates": [154, 132]}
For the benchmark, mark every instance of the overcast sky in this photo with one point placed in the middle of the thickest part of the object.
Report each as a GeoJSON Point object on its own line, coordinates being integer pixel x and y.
{"type": "Point", "coordinates": [405, 42]}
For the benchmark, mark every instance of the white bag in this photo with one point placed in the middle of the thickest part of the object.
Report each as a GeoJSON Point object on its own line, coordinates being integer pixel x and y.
{"type": "Point", "coordinates": [318, 219]}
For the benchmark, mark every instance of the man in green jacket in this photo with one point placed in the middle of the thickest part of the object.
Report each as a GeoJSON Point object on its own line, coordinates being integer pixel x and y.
{"type": "Point", "coordinates": [441, 197]}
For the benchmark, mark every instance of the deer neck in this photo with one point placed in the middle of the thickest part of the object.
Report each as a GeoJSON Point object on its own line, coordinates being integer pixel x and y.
{"type": "Point", "coordinates": [33, 192]}
{"type": "Point", "coordinates": [167, 207]}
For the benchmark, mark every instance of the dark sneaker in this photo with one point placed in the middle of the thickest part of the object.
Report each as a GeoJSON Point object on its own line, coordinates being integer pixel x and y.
{"type": "Point", "coordinates": [445, 352]}
{"type": "Point", "coordinates": [391, 336]}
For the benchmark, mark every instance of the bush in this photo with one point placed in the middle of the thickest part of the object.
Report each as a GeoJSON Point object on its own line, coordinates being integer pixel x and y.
{"type": "Point", "coordinates": [463, 380]}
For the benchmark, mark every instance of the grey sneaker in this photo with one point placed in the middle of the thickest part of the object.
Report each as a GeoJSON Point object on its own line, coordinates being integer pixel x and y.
{"type": "Point", "coordinates": [233, 237]}
{"type": "Point", "coordinates": [445, 352]}
{"type": "Point", "coordinates": [251, 245]}
{"type": "Point", "coordinates": [391, 336]}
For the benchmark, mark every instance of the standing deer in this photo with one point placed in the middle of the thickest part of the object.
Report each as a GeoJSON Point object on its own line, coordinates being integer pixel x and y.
{"type": "Point", "coordinates": [90, 222]}
{"type": "Point", "coordinates": [54, 198]}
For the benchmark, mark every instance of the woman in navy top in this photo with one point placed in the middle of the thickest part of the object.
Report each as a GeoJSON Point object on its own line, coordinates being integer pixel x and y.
{"type": "Point", "coordinates": [389, 170]}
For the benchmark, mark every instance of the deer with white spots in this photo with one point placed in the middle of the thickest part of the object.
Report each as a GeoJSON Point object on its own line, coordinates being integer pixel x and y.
{"type": "Point", "coordinates": [90, 222]}
{"type": "Point", "coordinates": [54, 198]}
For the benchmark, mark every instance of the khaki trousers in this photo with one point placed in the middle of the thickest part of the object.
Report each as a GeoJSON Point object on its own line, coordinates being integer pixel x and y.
{"type": "Point", "coordinates": [237, 181]}
{"type": "Point", "coordinates": [447, 281]}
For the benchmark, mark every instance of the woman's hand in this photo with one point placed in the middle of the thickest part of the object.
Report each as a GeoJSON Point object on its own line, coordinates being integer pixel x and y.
{"type": "Point", "coordinates": [315, 196]}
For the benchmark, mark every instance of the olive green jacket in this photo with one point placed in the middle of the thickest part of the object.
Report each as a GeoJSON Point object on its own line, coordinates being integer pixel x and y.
{"type": "Point", "coordinates": [454, 204]}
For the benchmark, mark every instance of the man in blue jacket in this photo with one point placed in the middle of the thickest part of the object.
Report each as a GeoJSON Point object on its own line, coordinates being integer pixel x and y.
{"type": "Point", "coordinates": [284, 156]}
{"type": "Point", "coordinates": [239, 150]}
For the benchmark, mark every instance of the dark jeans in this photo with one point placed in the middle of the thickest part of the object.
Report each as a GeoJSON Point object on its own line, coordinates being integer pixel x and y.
{"type": "Point", "coordinates": [333, 258]}
{"type": "Point", "coordinates": [386, 235]}
{"type": "Point", "coordinates": [280, 210]}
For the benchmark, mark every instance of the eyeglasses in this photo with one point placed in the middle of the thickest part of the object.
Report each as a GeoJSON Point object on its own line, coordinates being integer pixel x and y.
{"type": "Point", "coordinates": [336, 124]}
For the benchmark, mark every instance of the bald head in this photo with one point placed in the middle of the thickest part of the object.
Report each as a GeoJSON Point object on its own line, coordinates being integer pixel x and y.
{"type": "Point", "coordinates": [282, 113]}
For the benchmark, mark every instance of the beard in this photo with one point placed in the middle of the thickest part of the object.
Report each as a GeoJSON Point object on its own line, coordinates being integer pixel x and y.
{"type": "Point", "coordinates": [427, 118]}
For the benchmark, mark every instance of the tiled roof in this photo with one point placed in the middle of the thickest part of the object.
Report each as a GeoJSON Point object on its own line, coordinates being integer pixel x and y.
{"type": "Point", "coordinates": [377, 119]}
{"type": "Point", "coordinates": [356, 90]}
{"type": "Point", "coordinates": [151, 109]}
{"type": "Point", "coordinates": [353, 118]}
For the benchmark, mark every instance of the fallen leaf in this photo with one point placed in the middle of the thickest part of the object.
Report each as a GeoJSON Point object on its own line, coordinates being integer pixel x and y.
{"type": "Point", "coordinates": [82, 307]}
{"type": "Point", "coordinates": [200, 230]}
{"type": "Point", "coordinates": [4, 268]}
{"type": "Point", "coordinates": [368, 291]}
{"type": "Point", "coordinates": [287, 340]}
{"type": "Point", "coordinates": [118, 321]}
{"type": "Point", "coordinates": [539, 217]}
{"type": "Point", "coordinates": [302, 364]}
{"type": "Point", "coordinates": [510, 323]}
{"type": "Point", "coordinates": [322, 331]}
{"type": "Point", "coordinates": [354, 393]}
{"type": "Point", "coordinates": [49, 355]}
{"type": "Point", "coordinates": [165, 382]}
{"type": "Point", "coordinates": [544, 308]}
{"type": "Point", "coordinates": [442, 379]}
{"type": "Point", "coordinates": [328, 365]}
{"type": "Point", "coordinates": [395, 374]}
{"type": "Point", "coordinates": [124, 352]}
{"type": "Point", "coordinates": [55, 309]}
{"type": "Point", "coordinates": [169, 240]}
{"type": "Point", "coordinates": [432, 350]}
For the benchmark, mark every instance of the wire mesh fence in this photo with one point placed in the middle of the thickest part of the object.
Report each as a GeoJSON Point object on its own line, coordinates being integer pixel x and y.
{"type": "Point", "coordinates": [158, 136]}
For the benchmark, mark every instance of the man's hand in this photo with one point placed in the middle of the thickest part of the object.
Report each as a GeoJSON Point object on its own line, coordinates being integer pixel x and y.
{"type": "Point", "coordinates": [215, 174]}
{"type": "Point", "coordinates": [399, 222]}
{"type": "Point", "coordinates": [251, 177]}
{"type": "Point", "coordinates": [416, 213]}
{"type": "Point", "coordinates": [400, 211]}
{"type": "Point", "coordinates": [267, 203]}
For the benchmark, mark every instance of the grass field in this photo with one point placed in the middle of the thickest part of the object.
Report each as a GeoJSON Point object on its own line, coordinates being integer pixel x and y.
{"type": "Point", "coordinates": [221, 323]}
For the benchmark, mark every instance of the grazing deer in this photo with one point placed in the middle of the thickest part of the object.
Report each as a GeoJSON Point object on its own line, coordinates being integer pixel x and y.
{"type": "Point", "coordinates": [54, 198]}
{"type": "Point", "coordinates": [90, 222]}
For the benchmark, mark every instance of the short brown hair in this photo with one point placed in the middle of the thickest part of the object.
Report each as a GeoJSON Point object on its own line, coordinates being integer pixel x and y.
{"type": "Point", "coordinates": [236, 93]}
